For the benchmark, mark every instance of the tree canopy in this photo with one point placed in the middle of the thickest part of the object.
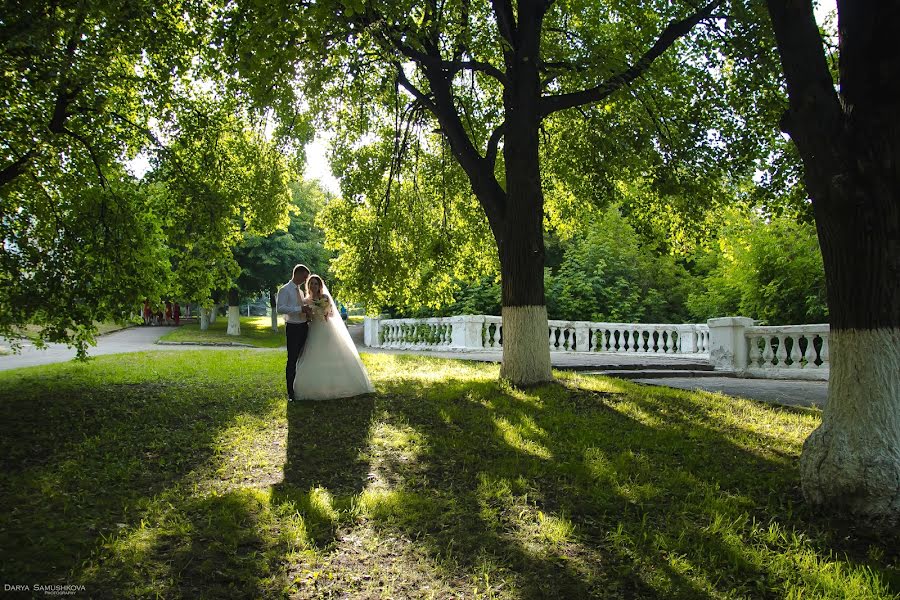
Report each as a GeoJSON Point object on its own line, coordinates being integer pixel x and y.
{"type": "Point", "coordinates": [85, 88]}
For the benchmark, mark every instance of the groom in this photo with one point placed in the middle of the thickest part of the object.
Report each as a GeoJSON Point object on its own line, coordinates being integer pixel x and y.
{"type": "Point", "coordinates": [290, 304]}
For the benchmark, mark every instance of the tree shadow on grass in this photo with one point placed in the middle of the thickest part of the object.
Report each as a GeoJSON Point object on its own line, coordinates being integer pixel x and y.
{"type": "Point", "coordinates": [84, 459]}
{"type": "Point", "coordinates": [645, 509]}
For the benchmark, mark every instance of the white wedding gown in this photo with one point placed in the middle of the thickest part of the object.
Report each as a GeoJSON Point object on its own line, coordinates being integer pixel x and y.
{"type": "Point", "coordinates": [329, 366]}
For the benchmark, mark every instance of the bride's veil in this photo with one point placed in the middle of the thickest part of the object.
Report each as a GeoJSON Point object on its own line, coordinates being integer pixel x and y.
{"type": "Point", "coordinates": [337, 324]}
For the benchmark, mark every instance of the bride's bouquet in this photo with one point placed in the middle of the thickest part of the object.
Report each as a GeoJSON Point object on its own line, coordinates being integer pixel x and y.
{"type": "Point", "coordinates": [320, 308]}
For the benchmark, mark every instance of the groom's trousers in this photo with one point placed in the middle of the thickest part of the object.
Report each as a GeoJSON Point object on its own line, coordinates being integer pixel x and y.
{"type": "Point", "coordinates": [296, 339]}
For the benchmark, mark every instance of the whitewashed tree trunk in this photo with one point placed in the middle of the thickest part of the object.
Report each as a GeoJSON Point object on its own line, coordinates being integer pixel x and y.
{"type": "Point", "coordinates": [526, 351]}
{"type": "Point", "coordinates": [272, 306]}
{"type": "Point", "coordinates": [204, 318]}
{"type": "Point", "coordinates": [234, 320]}
{"type": "Point", "coordinates": [213, 313]}
{"type": "Point", "coordinates": [852, 461]}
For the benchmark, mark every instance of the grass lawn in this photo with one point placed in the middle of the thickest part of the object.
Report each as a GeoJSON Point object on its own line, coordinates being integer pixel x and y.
{"type": "Point", "coordinates": [255, 331]}
{"type": "Point", "coordinates": [186, 475]}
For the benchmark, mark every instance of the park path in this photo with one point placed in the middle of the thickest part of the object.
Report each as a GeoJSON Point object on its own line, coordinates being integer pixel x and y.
{"type": "Point", "coordinates": [132, 339]}
{"type": "Point", "coordinates": [683, 373]}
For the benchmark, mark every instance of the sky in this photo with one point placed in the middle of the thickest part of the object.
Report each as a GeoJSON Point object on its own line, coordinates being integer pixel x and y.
{"type": "Point", "coordinates": [317, 166]}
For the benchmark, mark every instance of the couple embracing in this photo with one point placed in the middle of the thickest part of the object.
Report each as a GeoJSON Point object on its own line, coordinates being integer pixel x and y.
{"type": "Point", "coordinates": [322, 361]}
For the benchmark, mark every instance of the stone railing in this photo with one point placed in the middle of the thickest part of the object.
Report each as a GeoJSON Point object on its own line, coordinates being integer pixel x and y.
{"type": "Point", "coordinates": [732, 344]}
{"type": "Point", "coordinates": [483, 332]}
{"type": "Point", "coordinates": [775, 352]}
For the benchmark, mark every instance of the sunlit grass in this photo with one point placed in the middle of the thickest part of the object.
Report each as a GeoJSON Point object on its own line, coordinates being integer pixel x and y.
{"type": "Point", "coordinates": [185, 474]}
{"type": "Point", "coordinates": [255, 331]}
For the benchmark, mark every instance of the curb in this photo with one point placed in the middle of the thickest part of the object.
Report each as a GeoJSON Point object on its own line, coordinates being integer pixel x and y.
{"type": "Point", "coordinates": [161, 343]}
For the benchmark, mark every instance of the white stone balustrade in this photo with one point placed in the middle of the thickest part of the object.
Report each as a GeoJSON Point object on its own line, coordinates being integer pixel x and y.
{"type": "Point", "coordinates": [731, 344]}
{"type": "Point", "coordinates": [788, 351]}
{"type": "Point", "coordinates": [484, 332]}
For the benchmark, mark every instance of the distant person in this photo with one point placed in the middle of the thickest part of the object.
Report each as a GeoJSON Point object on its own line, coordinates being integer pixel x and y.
{"type": "Point", "coordinates": [147, 314]}
{"type": "Point", "coordinates": [343, 312]}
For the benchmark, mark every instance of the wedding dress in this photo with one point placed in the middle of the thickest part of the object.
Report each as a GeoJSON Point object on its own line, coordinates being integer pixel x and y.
{"type": "Point", "coordinates": [329, 366]}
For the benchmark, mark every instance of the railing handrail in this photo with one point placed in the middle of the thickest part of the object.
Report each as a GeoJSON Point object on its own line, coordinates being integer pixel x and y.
{"type": "Point", "coordinates": [776, 329]}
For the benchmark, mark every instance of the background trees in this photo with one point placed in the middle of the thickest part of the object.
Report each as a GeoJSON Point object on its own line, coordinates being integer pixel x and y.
{"type": "Point", "coordinates": [85, 88]}
{"type": "Point", "coordinates": [267, 261]}
{"type": "Point", "coordinates": [493, 84]}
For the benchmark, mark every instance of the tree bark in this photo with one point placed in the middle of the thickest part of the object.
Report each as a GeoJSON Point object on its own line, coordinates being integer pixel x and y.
{"type": "Point", "coordinates": [234, 313]}
{"type": "Point", "coordinates": [850, 147]}
{"type": "Point", "coordinates": [520, 234]}
{"type": "Point", "coordinates": [272, 302]}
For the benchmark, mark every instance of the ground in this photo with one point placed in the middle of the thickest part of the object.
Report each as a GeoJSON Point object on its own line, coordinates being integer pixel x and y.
{"type": "Point", "coordinates": [185, 474]}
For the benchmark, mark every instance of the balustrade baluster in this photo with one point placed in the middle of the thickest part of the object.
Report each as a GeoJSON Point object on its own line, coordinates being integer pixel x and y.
{"type": "Point", "coordinates": [767, 352]}
{"type": "Point", "coordinates": [754, 354]}
{"type": "Point", "coordinates": [782, 351]}
{"type": "Point", "coordinates": [796, 356]}
{"type": "Point", "coordinates": [823, 352]}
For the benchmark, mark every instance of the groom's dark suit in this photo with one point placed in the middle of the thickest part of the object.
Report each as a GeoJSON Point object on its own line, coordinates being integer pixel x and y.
{"type": "Point", "coordinates": [288, 303]}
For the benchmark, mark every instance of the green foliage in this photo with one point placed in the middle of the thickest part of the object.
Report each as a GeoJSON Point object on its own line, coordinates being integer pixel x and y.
{"type": "Point", "coordinates": [407, 250]}
{"type": "Point", "coordinates": [765, 269]}
{"type": "Point", "coordinates": [224, 182]}
{"type": "Point", "coordinates": [703, 113]}
{"type": "Point", "coordinates": [607, 274]}
{"type": "Point", "coordinates": [74, 256]}
{"type": "Point", "coordinates": [267, 261]}
{"type": "Point", "coordinates": [85, 87]}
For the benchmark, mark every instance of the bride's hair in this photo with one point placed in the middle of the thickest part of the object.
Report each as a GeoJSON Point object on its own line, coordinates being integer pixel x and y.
{"type": "Point", "coordinates": [321, 284]}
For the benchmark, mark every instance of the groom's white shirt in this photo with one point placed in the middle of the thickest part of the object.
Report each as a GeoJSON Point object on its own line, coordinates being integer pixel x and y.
{"type": "Point", "coordinates": [286, 303]}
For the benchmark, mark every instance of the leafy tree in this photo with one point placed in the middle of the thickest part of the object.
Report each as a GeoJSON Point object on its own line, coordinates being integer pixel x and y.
{"type": "Point", "coordinates": [766, 269]}
{"type": "Point", "coordinates": [225, 181]}
{"type": "Point", "coordinates": [845, 126]}
{"type": "Point", "coordinates": [86, 86]}
{"type": "Point", "coordinates": [607, 274]}
{"type": "Point", "coordinates": [267, 261]}
{"type": "Point", "coordinates": [487, 79]}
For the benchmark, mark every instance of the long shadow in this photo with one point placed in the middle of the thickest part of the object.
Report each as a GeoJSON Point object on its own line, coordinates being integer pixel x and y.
{"type": "Point", "coordinates": [464, 449]}
{"type": "Point", "coordinates": [327, 444]}
{"type": "Point", "coordinates": [82, 458]}
{"type": "Point", "coordinates": [555, 485]}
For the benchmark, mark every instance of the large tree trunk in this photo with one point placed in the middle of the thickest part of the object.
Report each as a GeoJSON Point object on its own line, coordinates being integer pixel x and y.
{"type": "Point", "coordinates": [272, 302]}
{"type": "Point", "coordinates": [520, 239]}
{"type": "Point", "coordinates": [234, 313]}
{"type": "Point", "coordinates": [852, 461]}
{"type": "Point", "coordinates": [850, 146]}
{"type": "Point", "coordinates": [204, 318]}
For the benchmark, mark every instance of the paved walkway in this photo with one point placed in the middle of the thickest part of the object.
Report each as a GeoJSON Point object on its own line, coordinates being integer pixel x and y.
{"type": "Point", "coordinates": [133, 339]}
{"type": "Point", "coordinates": [796, 393]}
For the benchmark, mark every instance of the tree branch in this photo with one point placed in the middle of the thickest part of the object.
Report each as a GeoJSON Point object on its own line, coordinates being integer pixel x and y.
{"type": "Point", "coordinates": [454, 66]}
{"type": "Point", "coordinates": [14, 169]}
{"type": "Point", "coordinates": [669, 35]}
{"type": "Point", "coordinates": [93, 155]}
{"type": "Point", "coordinates": [506, 22]}
{"type": "Point", "coordinates": [490, 156]}
{"type": "Point", "coordinates": [412, 89]}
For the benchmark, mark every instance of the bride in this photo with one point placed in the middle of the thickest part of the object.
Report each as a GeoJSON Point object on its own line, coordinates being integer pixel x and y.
{"type": "Point", "coordinates": [329, 366]}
